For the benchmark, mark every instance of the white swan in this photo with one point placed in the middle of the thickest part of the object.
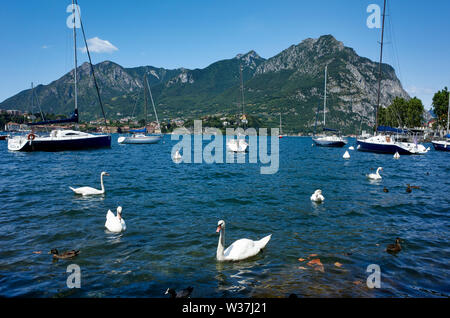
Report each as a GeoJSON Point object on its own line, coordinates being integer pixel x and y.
{"type": "Point", "coordinates": [240, 249]}
{"type": "Point", "coordinates": [351, 148]}
{"type": "Point", "coordinates": [89, 190]}
{"type": "Point", "coordinates": [115, 223]}
{"type": "Point", "coordinates": [375, 176]}
{"type": "Point", "coordinates": [397, 155]}
{"type": "Point", "coordinates": [317, 196]}
{"type": "Point", "coordinates": [177, 156]}
{"type": "Point", "coordinates": [346, 155]}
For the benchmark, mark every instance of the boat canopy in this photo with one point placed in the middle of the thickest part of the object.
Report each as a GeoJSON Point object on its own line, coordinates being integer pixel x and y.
{"type": "Point", "coordinates": [72, 119]}
{"type": "Point", "coordinates": [329, 129]}
{"type": "Point", "coordinates": [138, 130]}
{"type": "Point", "coordinates": [447, 136]}
{"type": "Point", "coordinates": [390, 129]}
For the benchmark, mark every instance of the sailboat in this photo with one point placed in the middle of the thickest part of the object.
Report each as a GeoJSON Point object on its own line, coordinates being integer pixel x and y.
{"type": "Point", "coordinates": [63, 139]}
{"type": "Point", "coordinates": [139, 135]}
{"type": "Point", "coordinates": [327, 140]}
{"type": "Point", "coordinates": [239, 144]}
{"type": "Point", "coordinates": [386, 142]}
{"type": "Point", "coordinates": [444, 145]}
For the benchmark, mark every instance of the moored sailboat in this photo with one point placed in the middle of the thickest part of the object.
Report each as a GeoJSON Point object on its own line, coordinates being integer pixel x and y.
{"type": "Point", "coordinates": [334, 140]}
{"type": "Point", "coordinates": [139, 136]}
{"type": "Point", "coordinates": [444, 144]}
{"type": "Point", "coordinates": [388, 140]}
{"type": "Point", "coordinates": [63, 139]}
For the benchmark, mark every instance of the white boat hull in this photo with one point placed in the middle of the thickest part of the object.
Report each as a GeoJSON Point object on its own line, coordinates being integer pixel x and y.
{"type": "Point", "coordinates": [140, 139]}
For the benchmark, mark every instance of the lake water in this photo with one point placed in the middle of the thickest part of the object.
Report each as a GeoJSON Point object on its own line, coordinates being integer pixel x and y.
{"type": "Point", "coordinates": [172, 210]}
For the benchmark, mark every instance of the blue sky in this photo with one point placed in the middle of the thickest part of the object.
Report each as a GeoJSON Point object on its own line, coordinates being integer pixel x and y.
{"type": "Point", "coordinates": [37, 44]}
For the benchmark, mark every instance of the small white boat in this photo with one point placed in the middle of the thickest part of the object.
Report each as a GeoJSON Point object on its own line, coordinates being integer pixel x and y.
{"type": "Point", "coordinates": [139, 136]}
{"type": "Point", "coordinates": [139, 139]}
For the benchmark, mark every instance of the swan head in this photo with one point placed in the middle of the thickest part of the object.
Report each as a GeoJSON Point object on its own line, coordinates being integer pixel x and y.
{"type": "Point", "coordinates": [220, 226]}
{"type": "Point", "coordinates": [119, 211]}
{"type": "Point", "coordinates": [104, 174]}
{"type": "Point", "coordinates": [380, 169]}
{"type": "Point", "coordinates": [318, 192]}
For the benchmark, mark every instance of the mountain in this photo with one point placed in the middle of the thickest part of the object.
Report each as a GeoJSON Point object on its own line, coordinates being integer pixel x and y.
{"type": "Point", "coordinates": [290, 82]}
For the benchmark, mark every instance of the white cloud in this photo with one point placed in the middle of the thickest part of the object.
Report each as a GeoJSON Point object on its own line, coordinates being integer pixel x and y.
{"type": "Point", "coordinates": [98, 45]}
{"type": "Point", "coordinates": [45, 46]}
{"type": "Point", "coordinates": [414, 90]}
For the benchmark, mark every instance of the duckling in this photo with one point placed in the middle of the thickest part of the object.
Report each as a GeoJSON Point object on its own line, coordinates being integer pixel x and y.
{"type": "Point", "coordinates": [394, 248]}
{"type": "Point", "coordinates": [65, 255]}
{"type": "Point", "coordinates": [385, 190]}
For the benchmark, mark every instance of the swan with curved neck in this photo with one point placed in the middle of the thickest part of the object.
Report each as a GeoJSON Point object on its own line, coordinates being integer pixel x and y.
{"type": "Point", "coordinates": [240, 249]}
{"type": "Point", "coordinates": [375, 176]}
{"type": "Point", "coordinates": [115, 223]}
{"type": "Point", "coordinates": [317, 196]}
{"type": "Point", "coordinates": [90, 190]}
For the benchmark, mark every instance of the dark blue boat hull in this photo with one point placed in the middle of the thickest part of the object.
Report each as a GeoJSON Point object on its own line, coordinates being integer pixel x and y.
{"type": "Point", "coordinates": [74, 144]}
{"type": "Point", "coordinates": [377, 148]}
{"type": "Point", "coordinates": [440, 147]}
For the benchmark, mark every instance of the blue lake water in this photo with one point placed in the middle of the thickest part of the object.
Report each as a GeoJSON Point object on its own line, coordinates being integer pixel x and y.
{"type": "Point", "coordinates": [172, 210]}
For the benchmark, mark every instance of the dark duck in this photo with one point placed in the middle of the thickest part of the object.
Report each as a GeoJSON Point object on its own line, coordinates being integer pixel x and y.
{"type": "Point", "coordinates": [184, 293]}
{"type": "Point", "coordinates": [65, 255]}
{"type": "Point", "coordinates": [394, 248]}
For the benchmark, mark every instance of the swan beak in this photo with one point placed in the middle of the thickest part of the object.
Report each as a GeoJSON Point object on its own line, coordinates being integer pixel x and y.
{"type": "Point", "coordinates": [218, 229]}
{"type": "Point", "coordinates": [106, 174]}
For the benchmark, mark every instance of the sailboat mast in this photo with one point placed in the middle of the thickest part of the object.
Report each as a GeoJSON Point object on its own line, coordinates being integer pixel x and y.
{"type": "Point", "coordinates": [325, 97]}
{"type": "Point", "coordinates": [448, 114]}
{"type": "Point", "coordinates": [280, 124]}
{"type": "Point", "coordinates": [242, 89]}
{"type": "Point", "coordinates": [153, 104]}
{"type": "Point", "coordinates": [75, 53]}
{"type": "Point", "coordinates": [146, 103]}
{"type": "Point", "coordinates": [381, 61]}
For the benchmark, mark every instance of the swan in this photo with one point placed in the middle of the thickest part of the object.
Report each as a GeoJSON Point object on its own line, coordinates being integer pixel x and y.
{"type": "Point", "coordinates": [89, 190]}
{"type": "Point", "coordinates": [240, 249]}
{"type": "Point", "coordinates": [317, 196]}
{"type": "Point", "coordinates": [375, 176]}
{"type": "Point", "coordinates": [177, 156]}
{"type": "Point", "coordinates": [115, 223]}
{"type": "Point", "coordinates": [351, 148]}
{"type": "Point", "coordinates": [346, 155]}
{"type": "Point", "coordinates": [397, 155]}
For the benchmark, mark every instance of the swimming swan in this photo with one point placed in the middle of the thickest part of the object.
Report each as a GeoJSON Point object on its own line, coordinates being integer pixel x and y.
{"type": "Point", "coordinates": [397, 155]}
{"type": "Point", "coordinates": [346, 155]}
{"type": "Point", "coordinates": [115, 223]}
{"type": "Point", "coordinates": [375, 176]}
{"type": "Point", "coordinates": [317, 196]}
{"type": "Point", "coordinates": [240, 249]}
{"type": "Point", "coordinates": [89, 190]}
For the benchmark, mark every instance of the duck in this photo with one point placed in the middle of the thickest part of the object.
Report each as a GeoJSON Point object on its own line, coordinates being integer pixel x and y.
{"type": "Point", "coordinates": [397, 155]}
{"type": "Point", "coordinates": [115, 223]}
{"type": "Point", "coordinates": [184, 293]}
{"type": "Point", "coordinates": [317, 196]}
{"type": "Point", "coordinates": [394, 248]}
{"type": "Point", "coordinates": [346, 155]}
{"type": "Point", "coordinates": [89, 190]}
{"type": "Point", "coordinates": [385, 190]}
{"type": "Point", "coordinates": [240, 249]}
{"type": "Point", "coordinates": [65, 255]}
{"type": "Point", "coordinates": [375, 176]}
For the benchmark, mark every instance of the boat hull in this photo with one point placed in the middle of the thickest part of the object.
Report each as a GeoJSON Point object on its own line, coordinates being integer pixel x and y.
{"type": "Point", "coordinates": [139, 140]}
{"type": "Point", "coordinates": [329, 143]}
{"type": "Point", "coordinates": [441, 145]}
{"type": "Point", "coordinates": [386, 148]}
{"type": "Point", "coordinates": [53, 145]}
